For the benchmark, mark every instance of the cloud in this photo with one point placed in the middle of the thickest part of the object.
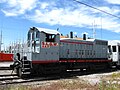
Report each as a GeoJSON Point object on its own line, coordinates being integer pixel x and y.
{"type": "Point", "coordinates": [18, 7]}
{"type": "Point", "coordinates": [69, 14]}
{"type": "Point", "coordinates": [113, 11]}
{"type": "Point", "coordinates": [58, 16]}
{"type": "Point", "coordinates": [2, 1]}
{"type": "Point", "coordinates": [7, 13]}
{"type": "Point", "coordinates": [44, 5]}
{"type": "Point", "coordinates": [113, 1]}
{"type": "Point", "coordinates": [80, 17]}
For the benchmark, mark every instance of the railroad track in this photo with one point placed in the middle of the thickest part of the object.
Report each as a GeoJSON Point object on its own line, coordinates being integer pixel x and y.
{"type": "Point", "coordinates": [16, 80]}
{"type": "Point", "coordinates": [5, 68]}
{"type": "Point", "coordinates": [7, 78]}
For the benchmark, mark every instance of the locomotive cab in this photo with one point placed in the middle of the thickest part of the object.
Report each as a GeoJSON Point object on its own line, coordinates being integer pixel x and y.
{"type": "Point", "coordinates": [41, 51]}
{"type": "Point", "coordinates": [43, 45]}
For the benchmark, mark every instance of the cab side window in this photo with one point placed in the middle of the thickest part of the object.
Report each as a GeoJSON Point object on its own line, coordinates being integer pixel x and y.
{"type": "Point", "coordinates": [114, 48]}
{"type": "Point", "coordinates": [50, 37]}
{"type": "Point", "coordinates": [37, 35]}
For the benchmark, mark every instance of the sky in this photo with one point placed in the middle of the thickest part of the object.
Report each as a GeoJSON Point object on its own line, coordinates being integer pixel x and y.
{"type": "Point", "coordinates": [17, 16]}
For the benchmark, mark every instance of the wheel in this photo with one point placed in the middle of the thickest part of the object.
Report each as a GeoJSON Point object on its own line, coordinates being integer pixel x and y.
{"type": "Point", "coordinates": [19, 73]}
{"type": "Point", "coordinates": [118, 67]}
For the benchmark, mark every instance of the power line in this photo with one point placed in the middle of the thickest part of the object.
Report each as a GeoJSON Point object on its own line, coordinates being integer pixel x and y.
{"type": "Point", "coordinates": [96, 9]}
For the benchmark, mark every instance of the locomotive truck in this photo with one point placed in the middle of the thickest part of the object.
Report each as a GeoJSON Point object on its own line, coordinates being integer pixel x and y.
{"type": "Point", "coordinates": [47, 53]}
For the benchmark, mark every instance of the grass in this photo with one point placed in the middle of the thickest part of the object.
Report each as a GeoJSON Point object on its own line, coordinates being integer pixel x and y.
{"type": "Point", "coordinates": [111, 82]}
{"type": "Point", "coordinates": [13, 87]}
{"type": "Point", "coordinates": [109, 86]}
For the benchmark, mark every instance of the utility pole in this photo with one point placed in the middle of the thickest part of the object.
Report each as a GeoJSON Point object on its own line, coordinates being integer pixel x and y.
{"type": "Point", "coordinates": [101, 25]}
{"type": "Point", "coordinates": [94, 30]}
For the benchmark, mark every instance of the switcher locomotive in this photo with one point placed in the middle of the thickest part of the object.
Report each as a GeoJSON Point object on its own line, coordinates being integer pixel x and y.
{"type": "Point", "coordinates": [48, 52]}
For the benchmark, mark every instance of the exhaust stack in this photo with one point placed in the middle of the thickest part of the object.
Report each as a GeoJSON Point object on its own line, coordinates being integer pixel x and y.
{"type": "Point", "coordinates": [71, 34]}
{"type": "Point", "coordinates": [84, 36]}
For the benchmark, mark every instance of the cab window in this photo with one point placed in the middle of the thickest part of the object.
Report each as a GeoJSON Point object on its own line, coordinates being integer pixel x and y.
{"type": "Point", "coordinates": [37, 35]}
{"type": "Point", "coordinates": [114, 48]}
{"type": "Point", "coordinates": [29, 36]}
{"type": "Point", "coordinates": [50, 38]}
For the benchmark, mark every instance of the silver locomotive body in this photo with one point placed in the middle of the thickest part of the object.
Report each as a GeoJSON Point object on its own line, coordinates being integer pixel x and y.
{"type": "Point", "coordinates": [46, 53]}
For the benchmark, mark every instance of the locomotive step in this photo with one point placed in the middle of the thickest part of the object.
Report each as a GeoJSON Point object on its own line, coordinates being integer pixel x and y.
{"type": "Point", "coordinates": [24, 60]}
{"type": "Point", "coordinates": [26, 68]}
{"type": "Point", "coordinates": [26, 64]}
{"type": "Point", "coordinates": [26, 73]}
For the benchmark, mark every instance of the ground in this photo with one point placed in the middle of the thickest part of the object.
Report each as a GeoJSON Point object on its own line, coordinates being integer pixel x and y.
{"type": "Point", "coordinates": [100, 81]}
{"type": "Point", "coordinates": [108, 80]}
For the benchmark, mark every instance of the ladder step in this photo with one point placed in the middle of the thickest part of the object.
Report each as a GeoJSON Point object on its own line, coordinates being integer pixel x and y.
{"type": "Point", "coordinates": [26, 73]}
{"type": "Point", "coordinates": [26, 63]}
{"type": "Point", "coordinates": [24, 60]}
{"type": "Point", "coordinates": [26, 68]}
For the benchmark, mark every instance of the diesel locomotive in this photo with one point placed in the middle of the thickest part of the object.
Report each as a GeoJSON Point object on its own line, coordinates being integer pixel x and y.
{"type": "Point", "coordinates": [48, 52]}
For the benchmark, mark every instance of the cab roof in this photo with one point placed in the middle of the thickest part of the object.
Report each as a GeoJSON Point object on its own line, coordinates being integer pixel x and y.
{"type": "Point", "coordinates": [48, 31]}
